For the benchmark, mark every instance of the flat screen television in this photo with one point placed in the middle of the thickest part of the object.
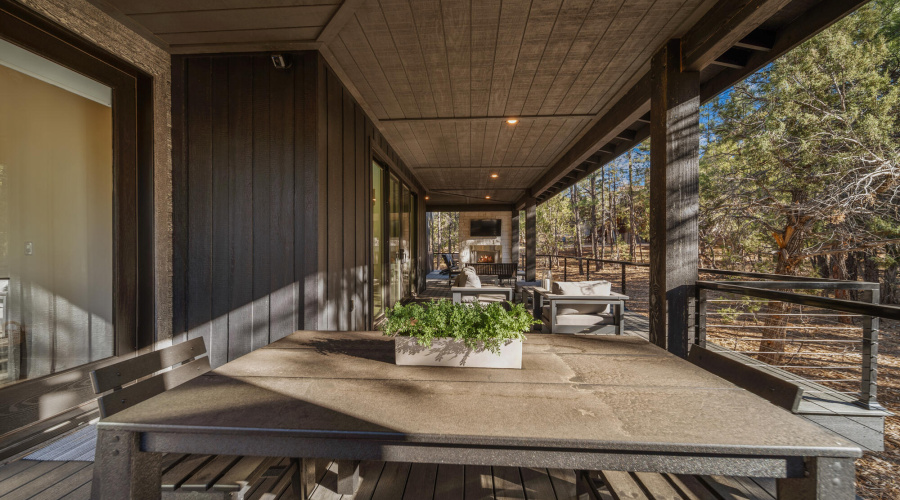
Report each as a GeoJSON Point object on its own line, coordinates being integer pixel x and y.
{"type": "Point", "coordinates": [485, 227]}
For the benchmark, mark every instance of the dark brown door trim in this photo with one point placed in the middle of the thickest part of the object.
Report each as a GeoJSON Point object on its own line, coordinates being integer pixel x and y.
{"type": "Point", "coordinates": [133, 245]}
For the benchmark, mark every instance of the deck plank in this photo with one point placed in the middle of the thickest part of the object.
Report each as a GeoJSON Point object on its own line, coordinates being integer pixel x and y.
{"type": "Point", "coordinates": [420, 484]}
{"type": "Point", "coordinates": [537, 484]}
{"type": "Point", "coordinates": [9, 470]}
{"type": "Point", "coordinates": [479, 483]}
{"type": "Point", "coordinates": [690, 487]}
{"type": "Point", "coordinates": [392, 482]}
{"type": "Point", "coordinates": [14, 482]}
{"type": "Point", "coordinates": [40, 483]}
{"type": "Point", "coordinates": [450, 483]}
{"type": "Point", "coordinates": [623, 485]}
{"type": "Point", "coordinates": [370, 473]}
{"type": "Point", "coordinates": [656, 484]}
{"type": "Point", "coordinates": [563, 481]}
{"type": "Point", "coordinates": [83, 492]}
{"type": "Point", "coordinates": [508, 484]}
{"type": "Point", "coordinates": [67, 485]}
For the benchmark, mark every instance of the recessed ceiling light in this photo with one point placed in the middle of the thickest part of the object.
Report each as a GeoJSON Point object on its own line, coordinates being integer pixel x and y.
{"type": "Point", "coordinates": [487, 197]}
{"type": "Point", "coordinates": [427, 198]}
{"type": "Point", "coordinates": [494, 176]}
{"type": "Point", "coordinates": [512, 121]}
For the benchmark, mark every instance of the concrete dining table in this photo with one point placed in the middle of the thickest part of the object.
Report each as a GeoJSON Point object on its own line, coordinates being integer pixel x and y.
{"type": "Point", "coordinates": [579, 402]}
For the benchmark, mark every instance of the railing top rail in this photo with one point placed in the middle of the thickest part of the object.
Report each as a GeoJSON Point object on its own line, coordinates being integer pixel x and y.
{"type": "Point", "coordinates": [771, 276]}
{"type": "Point", "coordinates": [809, 285]}
{"type": "Point", "coordinates": [851, 306]}
{"type": "Point", "coordinates": [591, 259]}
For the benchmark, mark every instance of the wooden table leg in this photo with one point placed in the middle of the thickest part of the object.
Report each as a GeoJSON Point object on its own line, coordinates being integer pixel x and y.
{"type": "Point", "coordinates": [348, 477]}
{"type": "Point", "coordinates": [584, 489]}
{"type": "Point", "coordinates": [827, 479]}
{"type": "Point", "coordinates": [303, 480]}
{"type": "Point", "coordinates": [122, 470]}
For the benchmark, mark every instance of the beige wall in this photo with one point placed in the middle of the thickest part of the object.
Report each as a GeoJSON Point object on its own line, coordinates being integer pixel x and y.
{"type": "Point", "coordinates": [95, 26]}
{"type": "Point", "coordinates": [56, 162]}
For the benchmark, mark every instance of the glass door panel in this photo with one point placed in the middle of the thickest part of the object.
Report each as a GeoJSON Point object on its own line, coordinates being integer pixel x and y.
{"type": "Point", "coordinates": [395, 251]}
{"type": "Point", "coordinates": [56, 218]}
{"type": "Point", "coordinates": [405, 248]}
{"type": "Point", "coordinates": [377, 240]}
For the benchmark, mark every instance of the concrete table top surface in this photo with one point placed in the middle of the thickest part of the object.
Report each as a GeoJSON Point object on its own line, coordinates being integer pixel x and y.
{"type": "Point", "coordinates": [573, 392]}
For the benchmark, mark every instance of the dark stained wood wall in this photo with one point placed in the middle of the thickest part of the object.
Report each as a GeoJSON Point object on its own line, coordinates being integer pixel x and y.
{"type": "Point", "coordinates": [272, 201]}
{"type": "Point", "coordinates": [348, 142]}
{"type": "Point", "coordinates": [244, 181]}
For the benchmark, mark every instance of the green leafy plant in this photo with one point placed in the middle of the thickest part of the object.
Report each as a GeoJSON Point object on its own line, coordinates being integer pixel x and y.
{"type": "Point", "coordinates": [474, 324]}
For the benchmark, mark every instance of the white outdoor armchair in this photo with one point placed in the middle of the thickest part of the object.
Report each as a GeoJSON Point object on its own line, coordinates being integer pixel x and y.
{"type": "Point", "coordinates": [582, 308]}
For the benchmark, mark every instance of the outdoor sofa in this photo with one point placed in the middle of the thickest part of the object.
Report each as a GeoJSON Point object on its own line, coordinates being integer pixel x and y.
{"type": "Point", "coordinates": [581, 307]}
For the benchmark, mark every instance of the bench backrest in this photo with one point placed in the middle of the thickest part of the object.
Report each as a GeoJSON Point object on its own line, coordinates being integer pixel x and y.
{"type": "Point", "coordinates": [116, 377]}
{"type": "Point", "coordinates": [776, 390]}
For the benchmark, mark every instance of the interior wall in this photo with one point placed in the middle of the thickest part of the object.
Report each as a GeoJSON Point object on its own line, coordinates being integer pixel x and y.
{"type": "Point", "coordinates": [57, 186]}
{"type": "Point", "coordinates": [92, 24]}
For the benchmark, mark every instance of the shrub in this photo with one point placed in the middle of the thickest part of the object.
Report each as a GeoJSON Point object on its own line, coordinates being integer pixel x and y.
{"type": "Point", "coordinates": [473, 323]}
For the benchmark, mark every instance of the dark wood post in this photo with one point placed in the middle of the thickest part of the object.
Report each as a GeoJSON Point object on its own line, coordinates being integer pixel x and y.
{"type": "Point", "coordinates": [674, 196]}
{"type": "Point", "coordinates": [514, 240]}
{"type": "Point", "coordinates": [530, 241]}
{"type": "Point", "coordinates": [868, 394]}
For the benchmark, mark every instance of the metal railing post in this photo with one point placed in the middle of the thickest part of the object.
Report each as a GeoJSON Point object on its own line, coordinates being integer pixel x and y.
{"type": "Point", "coordinates": [700, 317]}
{"type": "Point", "coordinates": [870, 324]}
{"type": "Point", "coordinates": [565, 269]}
{"type": "Point", "coordinates": [624, 289]}
{"type": "Point", "coordinates": [588, 270]}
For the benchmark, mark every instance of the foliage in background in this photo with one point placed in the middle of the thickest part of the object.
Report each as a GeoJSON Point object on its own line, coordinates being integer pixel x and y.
{"type": "Point", "coordinates": [804, 159]}
{"type": "Point", "coordinates": [475, 324]}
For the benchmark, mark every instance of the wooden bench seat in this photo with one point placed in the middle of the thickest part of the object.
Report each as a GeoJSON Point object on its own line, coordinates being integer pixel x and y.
{"type": "Point", "coordinates": [184, 477]}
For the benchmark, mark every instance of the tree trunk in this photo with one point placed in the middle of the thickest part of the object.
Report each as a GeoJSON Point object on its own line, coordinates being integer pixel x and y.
{"type": "Point", "coordinates": [631, 228]}
{"type": "Point", "coordinates": [593, 193]}
{"type": "Point", "coordinates": [788, 259]}
{"type": "Point", "coordinates": [890, 285]}
{"type": "Point", "coordinates": [578, 247]}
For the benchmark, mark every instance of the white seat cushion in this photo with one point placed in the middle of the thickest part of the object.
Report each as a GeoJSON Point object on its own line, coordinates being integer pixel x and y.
{"type": "Point", "coordinates": [582, 288]}
{"type": "Point", "coordinates": [484, 299]}
{"type": "Point", "coordinates": [580, 319]}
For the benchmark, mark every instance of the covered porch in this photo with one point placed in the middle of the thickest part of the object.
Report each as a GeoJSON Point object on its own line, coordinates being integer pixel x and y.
{"type": "Point", "coordinates": [273, 166]}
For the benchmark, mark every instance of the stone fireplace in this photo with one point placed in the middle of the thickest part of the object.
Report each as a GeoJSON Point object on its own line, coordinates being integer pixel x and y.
{"type": "Point", "coordinates": [494, 249]}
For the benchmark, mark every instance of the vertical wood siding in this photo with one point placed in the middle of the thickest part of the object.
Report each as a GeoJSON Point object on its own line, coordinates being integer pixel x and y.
{"type": "Point", "coordinates": [273, 202]}
{"type": "Point", "coordinates": [240, 201]}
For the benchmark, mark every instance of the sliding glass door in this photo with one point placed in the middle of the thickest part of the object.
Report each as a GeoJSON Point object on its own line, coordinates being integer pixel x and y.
{"type": "Point", "coordinates": [56, 217]}
{"type": "Point", "coordinates": [393, 240]}
{"type": "Point", "coordinates": [378, 239]}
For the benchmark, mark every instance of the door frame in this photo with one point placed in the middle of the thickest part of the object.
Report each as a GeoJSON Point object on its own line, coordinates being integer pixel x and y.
{"type": "Point", "coordinates": [134, 309]}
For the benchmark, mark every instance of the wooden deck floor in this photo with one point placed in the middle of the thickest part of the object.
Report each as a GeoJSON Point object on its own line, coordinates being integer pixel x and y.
{"type": "Point", "coordinates": [389, 481]}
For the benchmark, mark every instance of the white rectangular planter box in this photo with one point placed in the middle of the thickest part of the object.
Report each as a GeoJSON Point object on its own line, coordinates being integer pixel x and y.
{"type": "Point", "coordinates": [446, 351]}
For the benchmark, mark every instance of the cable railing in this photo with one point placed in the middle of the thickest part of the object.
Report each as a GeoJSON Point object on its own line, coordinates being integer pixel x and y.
{"type": "Point", "coordinates": [793, 327]}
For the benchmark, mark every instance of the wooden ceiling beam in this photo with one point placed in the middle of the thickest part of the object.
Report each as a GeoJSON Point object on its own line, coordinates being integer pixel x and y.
{"type": "Point", "coordinates": [760, 40]}
{"type": "Point", "coordinates": [479, 119]}
{"type": "Point", "coordinates": [625, 135]}
{"type": "Point", "coordinates": [733, 58]}
{"type": "Point", "coordinates": [806, 26]}
{"type": "Point", "coordinates": [475, 207]}
{"type": "Point", "coordinates": [634, 104]}
{"type": "Point", "coordinates": [722, 27]}
{"type": "Point", "coordinates": [341, 16]}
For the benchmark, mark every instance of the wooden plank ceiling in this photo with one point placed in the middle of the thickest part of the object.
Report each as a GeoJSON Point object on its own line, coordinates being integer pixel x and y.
{"type": "Point", "coordinates": [441, 77]}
